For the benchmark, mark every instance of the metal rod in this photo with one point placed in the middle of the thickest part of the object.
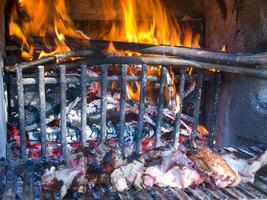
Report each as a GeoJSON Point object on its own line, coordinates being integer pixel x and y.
{"type": "Point", "coordinates": [104, 70]}
{"type": "Point", "coordinates": [21, 113]}
{"type": "Point", "coordinates": [179, 113]}
{"type": "Point", "coordinates": [11, 184]}
{"type": "Point", "coordinates": [76, 79]}
{"type": "Point", "coordinates": [122, 105]}
{"type": "Point", "coordinates": [196, 108]}
{"type": "Point", "coordinates": [161, 105]}
{"type": "Point", "coordinates": [214, 109]}
{"type": "Point", "coordinates": [141, 108]}
{"type": "Point", "coordinates": [2, 175]}
{"type": "Point", "coordinates": [63, 124]}
{"type": "Point", "coordinates": [28, 182]}
{"type": "Point", "coordinates": [4, 102]}
{"type": "Point", "coordinates": [41, 87]}
{"type": "Point", "coordinates": [84, 102]}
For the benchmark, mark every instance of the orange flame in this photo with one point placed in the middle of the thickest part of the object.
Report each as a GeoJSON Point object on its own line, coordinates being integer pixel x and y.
{"type": "Point", "coordinates": [202, 129]}
{"type": "Point", "coordinates": [41, 18]}
{"type": "Point", "coordinates": [148, 22]}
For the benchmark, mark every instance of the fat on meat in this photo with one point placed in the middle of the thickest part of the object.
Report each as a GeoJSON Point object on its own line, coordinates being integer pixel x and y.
{"type": "Point", "coordinates": [245, 169]}
{"type": "Point", "coordinates": [176, 170]}
{"type": "Point", "coordinates": [128, 175]}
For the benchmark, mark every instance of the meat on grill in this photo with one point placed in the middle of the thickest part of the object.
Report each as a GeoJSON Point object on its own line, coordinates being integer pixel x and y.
{"type": "Point", "coordinates": [176, 170]}
{"type": "Point", "coordinates": [128, 175]}
{"type": "Point", "coordinates": [216, 170]}
{"type": "Point", "coordinates": [62, 179]}
{"type": "Point", "coordinates": [246, 169]}
{"type": "Point", "coordinates": [158, 167]}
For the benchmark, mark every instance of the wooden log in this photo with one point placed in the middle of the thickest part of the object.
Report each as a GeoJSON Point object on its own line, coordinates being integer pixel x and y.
{"type": "Point", "coordinates": [209, 56]}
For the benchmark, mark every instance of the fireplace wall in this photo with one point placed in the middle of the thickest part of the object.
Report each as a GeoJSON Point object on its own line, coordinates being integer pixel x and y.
{"type": "Point", "coordinates": [242, 27]}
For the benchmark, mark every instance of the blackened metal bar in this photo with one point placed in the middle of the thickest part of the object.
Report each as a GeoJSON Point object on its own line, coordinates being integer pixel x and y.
{"type": "Point", "coordinates": [161, 105]}
{"type": "Point", "coordinates": [104, 84]}
{"type": "Point", "coordinates": [179, 113]}
{"type": "Point", "coordinates": [2, 175]}
{"type": "Point", "coordinates": [84, 102]}
{"type": "Point", "coordinates": [41, 87]}
{"type": "Point", "coordinates": [196, 108]}
{"type": "Point", "coordinates": [63, 124]}
{"type": "Point", "coordinates": [28, 182]}
{"type": "Point", "coordinates": [11, 184]}
{"type": "Point", "coordinates": [122, 104]}
{"type": "Point", "coordinates": [21, 112]}
{"type": "Point", "coordinates": [214, 109]}
{"type": "Point", "coordinates": [76, 79]}
{"type": "Point", "coordinates": [141, 108]}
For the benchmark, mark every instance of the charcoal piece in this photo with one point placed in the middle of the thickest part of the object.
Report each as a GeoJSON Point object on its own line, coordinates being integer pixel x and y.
{"type": "Point", "coordinates": [74, 134]}
{"type": "Point", "coordinates": [111, 130]}
{"type": "Point", "coordinates": [52, 92]}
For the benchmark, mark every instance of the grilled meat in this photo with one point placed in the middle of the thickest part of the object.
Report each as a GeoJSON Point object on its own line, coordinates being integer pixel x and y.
{"type": "Point", "coordinates": [216, 170]}
{"type": "Point", "coordinates": [245, 169]}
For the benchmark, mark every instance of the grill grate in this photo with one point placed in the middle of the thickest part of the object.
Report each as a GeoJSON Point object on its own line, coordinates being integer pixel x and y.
{"type": "Point", "coordinates": [104, 79]}
{"type": "Point", "coordinates": [24, 185]}
{"type": "Point", "coordinates": [19, 178]}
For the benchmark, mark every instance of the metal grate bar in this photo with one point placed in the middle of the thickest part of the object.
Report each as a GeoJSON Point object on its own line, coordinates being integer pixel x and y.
{"type": "Point", "coordinates": [76, 79]}
{"type": "Point", "coordinates": [2, 174]}
{"type": "Point", "coordinates": [63, 124]}
{"type": "Point", "coordinates": [11, 184]}
{"type": "Point", "coordinates": [246, 192]}
{"type": "Point", "coordinates": [84, 102]}
{"type": "Point", "coordinates": [198, 193]}
{"type": "Point", "coordinates": [122, 105]}
{"type": "Point", "coordinates": [215, 109]}
{"type": "Point", "coordinates": [178, 115]}
{"type": "Point", "coordinates": [20, 89]}
{"type": "Point", "coordinates": [41, 88]}
{"type": "Point", "coordinates": [104, 83]}
{"type": "Point", "coordinates": [160, 106]}
{"type": "Point", "coordinates": [180, 193]}
{"type": "Point", "coordinates": [141, 108]}
{"type": "Point", "coordinates": [28, 184]}
{"type": "Point", "coordinates": [196, 108]}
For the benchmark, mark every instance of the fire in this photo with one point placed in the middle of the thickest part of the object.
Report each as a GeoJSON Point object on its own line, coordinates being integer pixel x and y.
{"type": "Point", "coordinates": [152, 23]}
{"type": "Point", "coordinates": [202, 129]}
{"type": "Point", "coordinates": [140, 21]}
{"type": "Point", "coordinates": [144, 22]}
{"type": "Point", "coordinates": [43, 18]}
